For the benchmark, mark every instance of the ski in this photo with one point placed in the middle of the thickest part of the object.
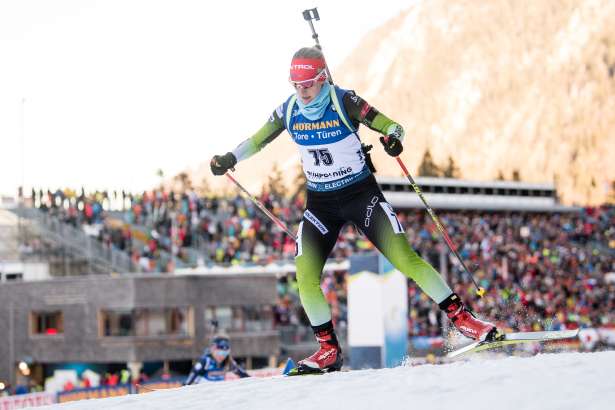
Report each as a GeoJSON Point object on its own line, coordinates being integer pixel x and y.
{"type": "Point", "coordinates": [514, 338]}
{"type": "Point", "coordinates": [299, 372]}
{"type": "Point", "coordinates": [291, 369]}
{"type": "Point", "coordinates": [311, 372]}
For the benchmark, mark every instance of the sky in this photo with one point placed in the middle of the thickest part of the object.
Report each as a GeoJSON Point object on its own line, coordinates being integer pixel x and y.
{"type": "Point", "coordinates": [103, 93]}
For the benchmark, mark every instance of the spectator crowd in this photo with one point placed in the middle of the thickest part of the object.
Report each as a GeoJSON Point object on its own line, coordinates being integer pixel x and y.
{"type": "Point", "coordinates": [541, 270]}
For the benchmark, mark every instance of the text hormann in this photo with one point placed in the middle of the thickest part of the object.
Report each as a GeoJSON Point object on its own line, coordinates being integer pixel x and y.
{"type": "Point", "coordinates": [308, 126]}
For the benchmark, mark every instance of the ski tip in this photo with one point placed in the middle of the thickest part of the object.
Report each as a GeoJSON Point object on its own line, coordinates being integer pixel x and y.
{"type": "Point", "coordinates": [290, 365]}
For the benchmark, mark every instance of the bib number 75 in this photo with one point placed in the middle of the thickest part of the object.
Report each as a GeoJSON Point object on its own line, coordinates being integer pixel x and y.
{"type": "Point", "coordinates": [321, 156]}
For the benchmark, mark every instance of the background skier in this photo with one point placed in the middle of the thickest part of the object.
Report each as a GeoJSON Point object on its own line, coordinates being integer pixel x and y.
{"type": "Point", "coordinates": [215, 363]}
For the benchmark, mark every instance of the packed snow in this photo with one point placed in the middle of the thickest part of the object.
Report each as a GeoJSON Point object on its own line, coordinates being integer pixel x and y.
{"type": "Point", "coordinates": [547, 381]}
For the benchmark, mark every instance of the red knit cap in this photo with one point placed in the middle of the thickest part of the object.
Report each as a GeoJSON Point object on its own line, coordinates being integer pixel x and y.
{"type": "Point", "coordinates": [303, 69]}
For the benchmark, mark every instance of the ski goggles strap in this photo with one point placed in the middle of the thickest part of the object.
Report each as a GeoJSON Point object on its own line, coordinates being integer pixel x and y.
{"type": "Point", "coordinates": [321, 76]}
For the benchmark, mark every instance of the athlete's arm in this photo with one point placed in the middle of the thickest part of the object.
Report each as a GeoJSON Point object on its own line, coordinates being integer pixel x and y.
{"type": "Point", "coordinates": [196, 371]}
{"type": "Point", "coordinates": [360, 112]}
{"type": "Point", "coordinates": [238, 370]}
{"type": "Point", "coordinates": [268, 132]}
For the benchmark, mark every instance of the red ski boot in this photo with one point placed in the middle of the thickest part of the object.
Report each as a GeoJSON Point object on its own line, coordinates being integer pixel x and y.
{"type": "Point", "coordinates": [465, 321]}
{"type": "Point", "coordinates": [328, 358]}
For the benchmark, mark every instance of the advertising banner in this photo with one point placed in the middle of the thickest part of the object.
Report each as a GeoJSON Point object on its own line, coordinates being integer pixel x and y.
{"type": "Point", "coordinates": [23, 401]}
{"type": "Point", "coordinates": [94, 393]}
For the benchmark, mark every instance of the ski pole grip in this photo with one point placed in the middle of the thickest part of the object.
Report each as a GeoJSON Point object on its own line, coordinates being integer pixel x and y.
{"type": "Point", "coordinates": [311, 14]}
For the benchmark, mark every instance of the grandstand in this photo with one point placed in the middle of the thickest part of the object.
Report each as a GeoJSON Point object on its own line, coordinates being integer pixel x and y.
{"type": "Point", "coordinates": [451, 193]}
{"type": "Point", "coordinates": [548, 264]}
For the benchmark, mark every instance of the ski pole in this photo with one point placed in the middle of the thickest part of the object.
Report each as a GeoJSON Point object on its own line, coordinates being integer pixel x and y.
{"type": "Point", "coordinates": [262, 207]}
{"type": "Point", "coordinates": [312, 14]}
{"type": "Point", "coordinates": [480, 291]}
{"type": "Point", "coordinates": [309, 15]}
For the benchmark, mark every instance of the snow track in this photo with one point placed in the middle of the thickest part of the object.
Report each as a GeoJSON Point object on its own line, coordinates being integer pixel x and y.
{"type": "Point", "coordinates": [548, 381]}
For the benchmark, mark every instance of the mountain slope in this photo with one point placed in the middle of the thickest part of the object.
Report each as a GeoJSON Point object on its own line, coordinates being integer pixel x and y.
{"type": "Point", "coordinates": [499, 86]}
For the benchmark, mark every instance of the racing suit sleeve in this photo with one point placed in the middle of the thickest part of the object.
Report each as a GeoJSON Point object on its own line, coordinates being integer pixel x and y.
{"type": "Point", "coordinates": [238, 370]}
{"type": "Point", "coordinates": [267, 133]}
{"type": "Point", "coordinates": [197, 370]}
{"type": "Point", "coordinates": [361, 112]}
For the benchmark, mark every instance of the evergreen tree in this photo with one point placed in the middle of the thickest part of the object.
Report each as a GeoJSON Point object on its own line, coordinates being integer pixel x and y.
{"type": "Point", "coordinates": [204, 189]}
{"type": "Point", "coordinates": [516, 176]}
{"type": "Point", "coordinates": [184, 180]}
{"type": "Point", "coordinates": [160, 174]}
{"type": "Point", "coordinates": [275, 182]}
{"type": "Point", "coordinates": [610, 199]}
{"type": "Point", "coordinates": [300, 182]}
{"type": "Point", "coordinates": [428, 168]}
{"type": "Point", "coordinates": [452, 170]}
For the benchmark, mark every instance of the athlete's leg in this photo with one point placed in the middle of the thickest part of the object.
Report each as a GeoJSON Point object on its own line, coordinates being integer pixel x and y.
{"type": "Point", "coordinates": [315, 240]}
{"type": "Point", "coordinates": [376, 218]}
{"type": "Point", "coordinates": [379, 223]}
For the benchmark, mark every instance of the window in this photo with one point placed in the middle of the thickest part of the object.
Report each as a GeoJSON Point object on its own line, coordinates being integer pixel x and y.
{"type": "Point", "coordinates": [239, 318]}
{"type": "Point", "coordinates": [168, 321]}
{"type": "Point", "coordinates": [218, 318]}
{"type": "Point", "coordinates": [46, 323]}
{"type": "Point", "coordinates": [257, 318]}
{"type": "Point", "coordinates": [117, 323]}
{"type": "Point", "coordinates": [163, 321]}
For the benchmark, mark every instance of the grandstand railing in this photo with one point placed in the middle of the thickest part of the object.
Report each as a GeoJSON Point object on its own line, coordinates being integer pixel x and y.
{"type": "Point", "coordinates": [114, 259]}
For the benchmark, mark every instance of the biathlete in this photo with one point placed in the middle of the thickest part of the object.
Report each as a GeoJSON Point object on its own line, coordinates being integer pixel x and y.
{"type": "Point", "coordinates": [215, 363]}
{"type": "Point", "coordinates": [322, 120]}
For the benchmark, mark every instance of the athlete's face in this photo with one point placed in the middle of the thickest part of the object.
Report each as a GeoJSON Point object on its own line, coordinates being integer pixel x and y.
{"type": "Point", "coordinates": [219, 355]}
{"type": "Point", "coordinates": [307, 94]}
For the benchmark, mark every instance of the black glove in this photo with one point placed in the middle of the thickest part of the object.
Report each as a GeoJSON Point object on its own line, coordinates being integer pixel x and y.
{"type": "Point", "coordinates": [392, 144]}
{"type": "Point", "coordinates": [221, 163]}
